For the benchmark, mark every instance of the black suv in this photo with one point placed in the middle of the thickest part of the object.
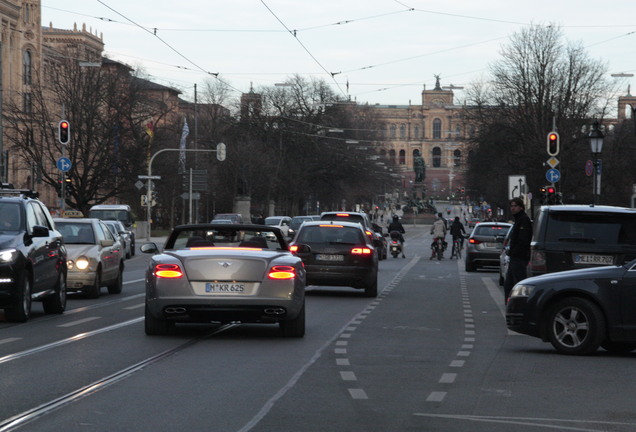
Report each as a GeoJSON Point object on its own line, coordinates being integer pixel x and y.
{"type": "Point", "coordinates": [32, 256]}
{"type": "Point", "coordinates": [374, 231]}
{"type": "Point", "coordinates": [568, 237]}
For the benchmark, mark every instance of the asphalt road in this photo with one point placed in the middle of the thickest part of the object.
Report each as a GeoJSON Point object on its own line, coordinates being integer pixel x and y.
{"type": "Point", "coordinates": [431, 353]}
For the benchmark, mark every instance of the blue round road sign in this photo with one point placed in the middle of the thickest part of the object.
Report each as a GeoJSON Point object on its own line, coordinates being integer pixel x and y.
{"type": "Point", "coordinates": [553, 175]}
{"type": "Point", "coordinates": [64, 164]}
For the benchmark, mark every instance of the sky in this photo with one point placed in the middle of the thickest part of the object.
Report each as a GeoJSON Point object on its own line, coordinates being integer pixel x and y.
{"type": "Point", "coordinates": [371, 51]}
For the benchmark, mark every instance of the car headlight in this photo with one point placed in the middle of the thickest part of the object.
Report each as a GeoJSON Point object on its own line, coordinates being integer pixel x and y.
{"type": "Point", "coordinates": [8, 256]}
{"type": "Point", "coordinates": [522, 290]}
{"type": "Point", "coordinates": [82, 263]}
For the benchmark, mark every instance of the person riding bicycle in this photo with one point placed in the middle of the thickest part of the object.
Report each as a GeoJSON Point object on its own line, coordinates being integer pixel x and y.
{"type": "Point", "coordinates": [395, 225]}
{"type": "Point", "coordinates": [457, 231]}
{"type": "Point", "coordinates": [438, 230]}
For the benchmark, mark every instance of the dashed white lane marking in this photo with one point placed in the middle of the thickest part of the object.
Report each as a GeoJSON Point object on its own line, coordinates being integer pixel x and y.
{"type": "Point", "coordinates": [348, 376]}
{"type": "Point", "coordinates": [436, 397]}
{"type": "Point", "coordinates": [78, 322]}
{"type": "Point", "coordinates": [342, 343]}
{"type": "Point", "coordinates": [342, 362]}
{"type": "Point", "coordinates": [448, 378]}
{"type": "Point", "coordinates": [457, 363]}
{"type": "Point", "coordinates": [8, 340]}
{"type": "Point", "coordinates": [137, 306]}
{"type": "Point", "coordinates": [358, 394]}
{"type": "Point", "coordinates": [340, 351]}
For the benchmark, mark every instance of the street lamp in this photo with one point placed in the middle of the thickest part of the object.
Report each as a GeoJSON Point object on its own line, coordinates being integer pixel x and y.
{"type": "Point", "coordinates": [596, 146]}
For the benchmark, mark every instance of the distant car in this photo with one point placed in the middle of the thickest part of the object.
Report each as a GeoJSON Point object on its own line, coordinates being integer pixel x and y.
{"type": "Point", "coordinates": [95, 256]}
{"type": "Point", "coordinates": [383, 242]}
{"type": "Point", "coordinates": [119, 231]}
{"type": "Point", "coordinates": [363, 219]}
{"type": "Point", "coordinates": [472, 222]}
{"type": "Point", "coordinates": [339, 254]}
{"type": "Point", "coordinates": [484, 245]}
{"type": "Point", "coordinates": [280, 222]}
{"type": "Point", "coordinates": [578, 310]}
{"type": "Point", "coordinates": [32, 256]}
{"type": "Point", "coordinates": [568, 237]}
{"type": "Point", "coordinates": [236, 218]}
{"type": "Point", "coordinates": [221, 221]}
{"type": "Point", "coordinates": [224, 273]}
{"type": "Point", "coordinates": [297, 221]}
{"type": "Point", "coordinates": [121, 212]}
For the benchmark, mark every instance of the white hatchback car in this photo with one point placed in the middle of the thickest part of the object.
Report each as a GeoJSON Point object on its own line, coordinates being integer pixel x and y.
{"type": "Point", "coordinates": [94, 256]}
{"type": "Point", "coordinates": [282, 222]}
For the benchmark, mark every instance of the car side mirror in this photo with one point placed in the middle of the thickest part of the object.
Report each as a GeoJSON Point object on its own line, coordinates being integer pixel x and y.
{"type": "Point", "coordinates": [39, 231]}
{"type": "Point", "coordinates": [303, 248]}
{"type": "Point", "coordinates": [106, 243]}
{"type": "Point", "coordinates": [149, 248]}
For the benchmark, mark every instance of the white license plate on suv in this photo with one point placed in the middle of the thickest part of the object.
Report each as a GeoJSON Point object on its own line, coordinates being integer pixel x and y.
{"type": "Point", "coordinates": [593, 259]}
{"type": "Point", "coordinates": [329, 257]}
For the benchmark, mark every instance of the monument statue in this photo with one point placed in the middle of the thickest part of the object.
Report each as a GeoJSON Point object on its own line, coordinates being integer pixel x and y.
{"type": "Point", "coordinates": [418, 167]}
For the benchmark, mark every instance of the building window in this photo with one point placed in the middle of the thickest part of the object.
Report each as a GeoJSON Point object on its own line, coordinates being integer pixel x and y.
{"type": "Point", "coordinates": [402, 131]}
{"type": "Point", "coordinates": [402, 157]}
{"type": "Point", "coordinates": [392, 157]}
{"type": "Point", "coordinates": [437, 129]}
{"type": "Point", "coordinates": [457, 158]}
{"type": "Point", "coordinates": [416, 132]}
{"type": "Point", "coordinates": [437, 157]}
{"type": "Point", "coordinates": [26, 103]}
{"type": "Point", "coordinates": [393, 131]}
{"type": "Point", "coordinates": [26, 67]}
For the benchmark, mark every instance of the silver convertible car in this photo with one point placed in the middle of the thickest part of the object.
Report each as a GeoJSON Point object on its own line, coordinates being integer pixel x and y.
{"type": "Point", "coordinates": [221, 273]}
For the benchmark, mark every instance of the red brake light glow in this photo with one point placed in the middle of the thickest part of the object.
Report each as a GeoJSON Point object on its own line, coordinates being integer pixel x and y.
{"type": "Point", "coordinates": [293, 249]}
{"type": "Point", "coordinates": [282, 272]}
{"type": "Point", "coordinates": [342, 214]}
{"type": "Point", "coordinates": [168, 271]}
{"type": "Point", "coordinates": [361, 251]}
{"type": "Point", "coordinates": [473, 241]}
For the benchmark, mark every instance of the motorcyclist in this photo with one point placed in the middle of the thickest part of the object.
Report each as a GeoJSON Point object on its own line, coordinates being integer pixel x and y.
{"type": "Point", "coordinates": [438, 230]}
{"type": "Point", "coordinates": [396, 226]}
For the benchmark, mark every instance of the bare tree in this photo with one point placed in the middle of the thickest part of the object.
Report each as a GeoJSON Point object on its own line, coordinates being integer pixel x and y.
{"type": "Point", "coordinates": [541, 83]}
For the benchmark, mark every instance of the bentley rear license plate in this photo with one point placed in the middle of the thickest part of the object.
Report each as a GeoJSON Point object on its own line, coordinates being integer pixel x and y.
{"type": "Point", "coordinates": [327, 257]}
{"type": "Point", "coordinates": [224, 287]}
{"type": "Point", "coordinates": [593, 259]}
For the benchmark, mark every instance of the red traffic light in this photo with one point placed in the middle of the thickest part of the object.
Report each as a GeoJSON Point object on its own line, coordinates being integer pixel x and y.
{"type": "Point", "coordinates": [553, 143]}
{"type": "Point", "coordinates": [64, 124]}
{"type": "Point", "coordinates": [64, 131]}
{"type": "Point", "coordinates": [551, 190]}
{"type": "Point", "coordinates": [553, 136]}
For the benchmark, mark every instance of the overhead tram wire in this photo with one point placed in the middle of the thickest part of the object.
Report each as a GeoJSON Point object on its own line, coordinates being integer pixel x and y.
{"type": "Point", "coordinates": [293, 33]}
{"type": "Point", "coordinates": [154, 33]}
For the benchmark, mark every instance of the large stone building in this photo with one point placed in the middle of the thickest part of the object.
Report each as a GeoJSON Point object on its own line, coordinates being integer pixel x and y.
{"type": "Point", "coordinates": [423, 144]}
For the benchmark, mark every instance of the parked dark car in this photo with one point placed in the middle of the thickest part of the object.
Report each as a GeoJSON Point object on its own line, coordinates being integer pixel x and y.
{"type": "Point", "coordinates": [578, 310]}
{"type": "Point", "coordinates": [485, 244]}
{"type": "Point", "coordinates": [568, 237]}
{"type": "Point", "coordinates": [32, 256]}
{"type": "Point", "coordinates": [337, 254]}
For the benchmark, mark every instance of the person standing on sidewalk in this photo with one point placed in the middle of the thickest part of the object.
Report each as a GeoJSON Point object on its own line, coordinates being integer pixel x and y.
{"type": "Point", "coordinates": [519, 242]}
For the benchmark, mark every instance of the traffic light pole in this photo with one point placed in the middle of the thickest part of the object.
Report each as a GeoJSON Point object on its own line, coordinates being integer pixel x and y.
{"type": "Point", "coordinates": [149, 183]}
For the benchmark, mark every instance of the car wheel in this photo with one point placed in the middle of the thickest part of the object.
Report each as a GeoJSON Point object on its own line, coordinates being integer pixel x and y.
{"type": "Point", "coordinates": [155, 326]}
{"type": "Point", "coordinates": [371, 286]}
{"type": "Point", "coordinates": [294, 327]}
{"type": "Point", "coordinates": [20, 309]}
{"type": "Point", "coordinates": [56, 304]}
{"type": "Point", "coordinates": [576, 326]}
{"type": "Point", "coordinates": [470, 266]}
{"type": "Point", "coordinates": [118, 284]}
{"type": "Point", "coordinates": [618, 347]}
{"type": "Point", "coordinates": [93, 291]}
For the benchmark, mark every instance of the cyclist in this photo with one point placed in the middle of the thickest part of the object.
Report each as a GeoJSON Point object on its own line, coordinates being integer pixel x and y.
{"type": "Point", "coordinates": [395, 225]}
{"type": "Point", "coordinates": [458, 232]}
{"type": "Point", "coordinates": [438, 230]}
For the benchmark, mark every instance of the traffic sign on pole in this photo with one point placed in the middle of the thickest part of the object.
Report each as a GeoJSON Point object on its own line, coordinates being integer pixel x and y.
{"type": "Point", "coordinates": [553, 175]}
{"type": "Point", "coordinates": [64, 164]}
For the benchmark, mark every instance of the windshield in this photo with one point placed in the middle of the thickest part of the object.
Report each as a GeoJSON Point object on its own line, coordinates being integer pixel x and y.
{"type": "Point", "coordinates": [10, 219]}
{"type": "Point", "coordinates": [592, 227]}
{"type": "Point", "coordinates": [223, 237]}
{"type": "Point", "coordinates": [76, 233]}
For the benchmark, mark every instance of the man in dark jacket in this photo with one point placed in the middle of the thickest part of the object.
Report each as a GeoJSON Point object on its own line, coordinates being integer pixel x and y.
{"type": "Point", "coordinates": [397, 226]}
{"type": "Point", "coordinates": [519, 246]}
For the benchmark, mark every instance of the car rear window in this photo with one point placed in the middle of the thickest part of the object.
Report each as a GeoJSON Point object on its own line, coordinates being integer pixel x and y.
{"type": "Point", "coordinates": [330, 234]}
{"type": "Point", "coordinates": [491, 230]}
{"type": "Point", "coordinates": [343, 217]}
{"type": "Point", "coordinates": [594, 228]}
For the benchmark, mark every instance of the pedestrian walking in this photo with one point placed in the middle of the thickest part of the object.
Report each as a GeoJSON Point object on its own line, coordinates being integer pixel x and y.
{"type": "Point", "coordinates": [519, 246]}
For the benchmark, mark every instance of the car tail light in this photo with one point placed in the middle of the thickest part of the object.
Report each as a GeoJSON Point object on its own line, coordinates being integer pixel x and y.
{"type": "Point", "coordinates": [361, 251]}
{"type": "Point", "coordinates": [473, 241]}
{"type": "Point", "coordinates": [282, 272]}
{"type": "Point", "coordinates": [342, 214]}
{"type": "Point", "coordinates": [168, 271]}
{"type": "Point", "coordinates": [293, 249]}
